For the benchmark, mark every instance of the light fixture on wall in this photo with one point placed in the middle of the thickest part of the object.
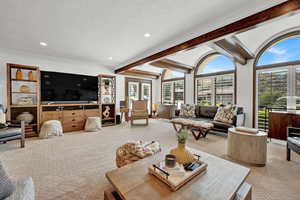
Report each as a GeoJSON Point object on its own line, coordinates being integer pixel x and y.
{"type": "Point", "coordinates": [110, 58]}
{"type": "Point", "coordinates": [44, 44]}
{"type": "Point", "coordinates": [146, 35]}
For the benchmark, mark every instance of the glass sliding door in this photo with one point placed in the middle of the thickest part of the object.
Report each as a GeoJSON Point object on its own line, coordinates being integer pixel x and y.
{"type": "Point", "coordinates": [146, 94]}
{"type": "Point", "coordinates": [138, 89]}
{"type": "Point", "coordinates": [272, 91]}
{"type": "Point", "coordinates": [133, 92]}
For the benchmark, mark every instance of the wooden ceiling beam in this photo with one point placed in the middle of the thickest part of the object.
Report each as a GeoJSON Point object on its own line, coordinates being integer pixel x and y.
{"type": "Point", "coordinates": [235, 27]}
{"type": "Point", "coordinates": [172, 65]}
{"type": "Point", "coordinates": [234, 48]}
{"type": "Point", "coordinates": [141, 73]}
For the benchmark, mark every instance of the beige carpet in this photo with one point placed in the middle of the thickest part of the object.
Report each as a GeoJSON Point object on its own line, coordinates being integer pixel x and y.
{"type": "Point", "coordinates": [74, 166]}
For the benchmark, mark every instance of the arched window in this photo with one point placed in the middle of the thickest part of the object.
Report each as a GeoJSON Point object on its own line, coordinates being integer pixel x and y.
{"type": "Point", "coordinates": [215, 63]}
{"type": "Point", "coordinates": [214, 80]}
{"type": "Point", "coordinates": [277, 78]}
{"type": "Point", "coordinates": [173, 87]}
{"type": "Point", "coordinates": [280, 51]}
{"type": "Point", "coordinates": [169, 74]}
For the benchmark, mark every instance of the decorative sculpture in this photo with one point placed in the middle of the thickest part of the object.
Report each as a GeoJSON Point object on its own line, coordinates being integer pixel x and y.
{"type": "Point", "coordinates": [106, 113]}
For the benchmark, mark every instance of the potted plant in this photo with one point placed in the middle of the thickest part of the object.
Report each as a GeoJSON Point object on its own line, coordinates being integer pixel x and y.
{"type": "Point", "coordinates": [183, 156]}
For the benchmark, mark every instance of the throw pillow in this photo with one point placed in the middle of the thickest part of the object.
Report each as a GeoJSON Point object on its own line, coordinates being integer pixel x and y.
{"type": "Point", "coordinates": [225, 114]}
{"type": "Point", "coordinates": [187, 111]}
{"type": "Point", "coordinates": [6, 185]}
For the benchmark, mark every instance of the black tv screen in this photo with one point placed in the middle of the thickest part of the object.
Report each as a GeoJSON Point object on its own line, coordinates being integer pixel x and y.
{"type": "Point", "coordinates": [63, 87]}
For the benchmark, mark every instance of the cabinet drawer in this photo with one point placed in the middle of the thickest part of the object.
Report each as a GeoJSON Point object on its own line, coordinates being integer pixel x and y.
{"type": "Point", "coordinates": [73, 127]}
{"type": "Point", "coordinates": [73, 119]}
{"type": "Point", "coordinates": [72, 113]}
{"type": "Point", "coordinates": [51, 115]}
{"type": "Point", "coordinates": [92, 113]}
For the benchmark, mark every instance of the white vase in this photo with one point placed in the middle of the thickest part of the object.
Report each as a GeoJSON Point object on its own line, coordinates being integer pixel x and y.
{"type": "Point", "coordinates": [25, 116]}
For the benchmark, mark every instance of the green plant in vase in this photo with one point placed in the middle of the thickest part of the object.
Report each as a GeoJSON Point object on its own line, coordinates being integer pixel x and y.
{"type": "Point", "coordinates": [183, 156]}
{"type": "Point", "coordinates": [182, 136]}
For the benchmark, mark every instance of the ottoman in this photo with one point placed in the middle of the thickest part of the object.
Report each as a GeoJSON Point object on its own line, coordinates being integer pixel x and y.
{"type": "Point", "coordinates": [93, 124]}
{"type": "Point", "coordinates": [51, 128]}
{"type": "Point", "coordinates": [247, 147]}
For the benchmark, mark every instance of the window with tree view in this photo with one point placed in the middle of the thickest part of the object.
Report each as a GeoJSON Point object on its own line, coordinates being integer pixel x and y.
{"type": "Point", "coordinates": [215, 81]}
{"type": "Point", "coordinates": [278, 86]}
{"type": "Point", "coordinates": [204, 91]}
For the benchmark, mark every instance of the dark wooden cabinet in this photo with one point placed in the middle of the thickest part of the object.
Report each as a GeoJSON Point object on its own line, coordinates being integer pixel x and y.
{"type": "Point", "coordinates": [279, 121]}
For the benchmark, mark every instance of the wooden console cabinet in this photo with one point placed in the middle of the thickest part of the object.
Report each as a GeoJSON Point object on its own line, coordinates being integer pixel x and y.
{"type": "Point", "coordinates": [279, 121]}
{"type": "Point", "coordinates": [72, 116]}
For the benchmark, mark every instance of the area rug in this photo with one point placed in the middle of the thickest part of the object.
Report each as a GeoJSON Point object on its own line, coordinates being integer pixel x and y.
{"type": "Point", "coordinates": [73, 166]}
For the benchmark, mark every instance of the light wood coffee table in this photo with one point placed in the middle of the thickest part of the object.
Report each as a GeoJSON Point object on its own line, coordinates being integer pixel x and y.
{"type": "Point", "coordinates": [222, 180]}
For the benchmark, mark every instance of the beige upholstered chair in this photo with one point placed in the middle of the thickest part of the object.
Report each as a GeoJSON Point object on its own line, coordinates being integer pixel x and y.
{"type": "Point", "coordinates": [139, 111]}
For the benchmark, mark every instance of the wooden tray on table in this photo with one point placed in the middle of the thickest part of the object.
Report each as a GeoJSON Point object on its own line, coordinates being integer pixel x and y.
{"type": "Point", "coordinates": [175, 182]}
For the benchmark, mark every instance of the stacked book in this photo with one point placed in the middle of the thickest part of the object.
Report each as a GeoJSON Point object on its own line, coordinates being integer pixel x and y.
{"type": "Point", "coordinates": [178, 170]}
{"type": "Point", "coordinates": [29, 131]}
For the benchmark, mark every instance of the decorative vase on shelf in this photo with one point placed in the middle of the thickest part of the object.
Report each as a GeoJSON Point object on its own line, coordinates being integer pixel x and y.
{"type": "Point", "coordinates": [30, 76]}
{"type": "Point", "coordinates": [24, 89]}
{"type": "Point", "coordinates": [19, 74]}
{"type": "Point", "coordinates": [183, 156]}
{"type": "Point", "coordinates": [25, 116]}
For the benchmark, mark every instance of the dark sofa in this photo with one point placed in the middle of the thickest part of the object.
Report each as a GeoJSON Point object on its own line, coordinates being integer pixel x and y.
{"type": "Point", "coordinates": [207, 113]}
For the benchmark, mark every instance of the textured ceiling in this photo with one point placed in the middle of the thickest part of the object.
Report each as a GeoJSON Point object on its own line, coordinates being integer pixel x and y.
{"type": "Point", "coordinates": [95, 30]}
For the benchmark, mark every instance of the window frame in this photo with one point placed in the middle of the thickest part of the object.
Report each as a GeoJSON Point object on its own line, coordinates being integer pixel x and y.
{"type": "Point", "coordinates": [173, 88]}
{"type": "Point", "coordinates": [214, 74]}
{"type": "Point", "coordinates": [291, 66]}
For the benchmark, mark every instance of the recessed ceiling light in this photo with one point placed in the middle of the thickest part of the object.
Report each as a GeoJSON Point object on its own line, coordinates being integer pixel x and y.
{"type": "Point", "coordinates": [146, 35]}
{"type": "Point", "coordinates": [44, 44]}
{"type": "Point", "coordinates": [110, 58]}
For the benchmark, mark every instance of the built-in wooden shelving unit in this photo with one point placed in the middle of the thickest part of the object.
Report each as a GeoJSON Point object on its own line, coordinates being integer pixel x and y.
{"type": "Point", "coordinates": [23, 87]}
{"type": "Point", "coordinates": [107, 99]}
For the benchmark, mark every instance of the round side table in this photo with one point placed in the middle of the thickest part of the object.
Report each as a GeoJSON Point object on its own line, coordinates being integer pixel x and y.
{"type": "Point", "coordinates": [246, 147]}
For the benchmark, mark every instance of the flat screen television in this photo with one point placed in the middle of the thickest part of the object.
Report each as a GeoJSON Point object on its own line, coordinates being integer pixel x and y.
{"type": "Point", "coordinates": [68, 88]}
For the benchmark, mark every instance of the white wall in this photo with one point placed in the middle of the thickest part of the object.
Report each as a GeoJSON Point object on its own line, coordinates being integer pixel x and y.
{"type": "Point", "coordinates": [244, 90]}
{"type": "Point", "coordinates": [189, 88]}
{"type": "Point", "coordinates": [61, 65]}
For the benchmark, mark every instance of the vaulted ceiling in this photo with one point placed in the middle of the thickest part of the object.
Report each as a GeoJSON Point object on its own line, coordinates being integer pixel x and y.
{"type": "Point", "coordinates": [95, 30]}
